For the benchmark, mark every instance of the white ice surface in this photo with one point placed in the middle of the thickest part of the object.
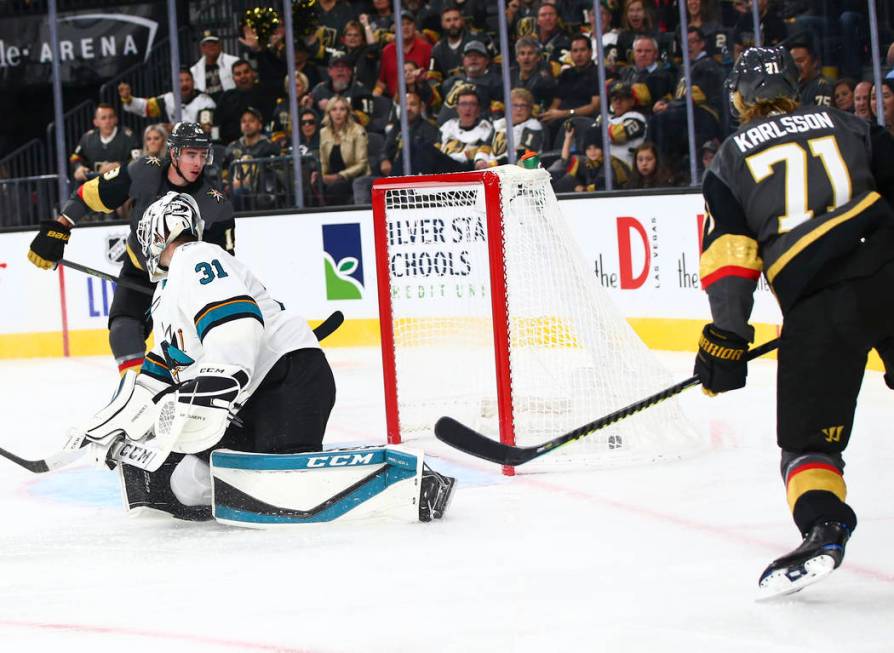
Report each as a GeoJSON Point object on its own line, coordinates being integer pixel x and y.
{"type": "Point", "coordinates": [658, 558]}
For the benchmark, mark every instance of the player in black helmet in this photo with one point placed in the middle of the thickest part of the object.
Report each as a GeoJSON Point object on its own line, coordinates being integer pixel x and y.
{"type": "Point", "coordinates": [800, 194]}
{"type": "Point", "coordinates": [144, 180]}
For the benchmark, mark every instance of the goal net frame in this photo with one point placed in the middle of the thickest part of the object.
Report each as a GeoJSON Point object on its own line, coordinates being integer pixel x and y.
{"type": "Point", "coordinates": [490, 181]}
{"type": "Point", "coordinates": [562, 353]}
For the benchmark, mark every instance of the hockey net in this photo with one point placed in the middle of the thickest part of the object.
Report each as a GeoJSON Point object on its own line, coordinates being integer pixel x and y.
{"type": "Point", "coordinates": [488, 315]}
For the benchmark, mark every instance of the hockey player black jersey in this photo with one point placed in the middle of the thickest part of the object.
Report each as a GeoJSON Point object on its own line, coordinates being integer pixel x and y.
{"type": "Point", "coordinates": [145, 180]}
{"type": "Point", "coordinates": [786, 195]}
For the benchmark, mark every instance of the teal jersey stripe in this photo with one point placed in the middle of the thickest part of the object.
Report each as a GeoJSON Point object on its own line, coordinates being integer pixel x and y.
{"type": "Point", "coordinates": [226, 313]}
{"type": "Point", "coordinates": [156, 371]}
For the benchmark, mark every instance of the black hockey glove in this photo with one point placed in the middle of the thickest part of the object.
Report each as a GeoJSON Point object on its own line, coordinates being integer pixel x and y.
{"type": "Point", "coordinates": [720, 363]}
{"type": "Point", "coordinates": [48, 246]}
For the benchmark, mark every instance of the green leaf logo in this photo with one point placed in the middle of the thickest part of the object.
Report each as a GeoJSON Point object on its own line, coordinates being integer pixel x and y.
{"type": "Point", "coordinates": [339, 285]}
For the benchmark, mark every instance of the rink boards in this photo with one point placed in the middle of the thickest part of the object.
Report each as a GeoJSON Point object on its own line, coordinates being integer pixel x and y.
{"type": "Point", "coordinates": [643, 250]}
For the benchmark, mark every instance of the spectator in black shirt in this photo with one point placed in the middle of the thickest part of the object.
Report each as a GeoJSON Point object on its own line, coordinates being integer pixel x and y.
{"type": "Point", "coordinates": [105, 147]}
{"type": "Point", "coordinates": [333, 15]}
{"type": "Point", "coordinates": [887, 104]}
{"type": "Point", "coordinates": [773, 29]}
{"type": "Point", "coordinates": [378, 25]}
{"type": "Point", "coordinates": [233, 103]}
{"type": "Point", "coordinates": [245, 178]}
{"type": "Point", "coordinates": [578, 88]}
{"type": "Point", "coordinates": [279, 128]}
{"type": "Point", "coordinates": [310, 132]}
{"type": "Point", "coordinates": [554, 42]}
{"type": "Point", "coordinates": [361, 55]}
{"type": "Point", "coordinates": [476, 72]}
{"type": "Point", "coordinates": [668, 127]}
{"type": "Point", "coordinates": [861, 100]}
{"type": "Point", "coordinates": [533, 74]}
{"type": "Point", "coordinates": [651, 80]}
{"type": "Point", "coordinates": [341, 82]}
{"type": "Point", "coordinates": [447, 53]}
{"type": "Point", "coordinates": [423, 133]}
{"type": "Point", "coordinates": [812, 87]}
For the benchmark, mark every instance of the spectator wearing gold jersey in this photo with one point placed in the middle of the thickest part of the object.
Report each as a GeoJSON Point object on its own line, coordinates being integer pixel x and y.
{"type": "Point", "coordinates": [527, 131]}
{"type": "Point", "coordinates": [195, 106]}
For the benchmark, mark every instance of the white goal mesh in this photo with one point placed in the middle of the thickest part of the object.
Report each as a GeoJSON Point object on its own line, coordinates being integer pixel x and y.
{"type": "Point", "coordinates": [571, 357]}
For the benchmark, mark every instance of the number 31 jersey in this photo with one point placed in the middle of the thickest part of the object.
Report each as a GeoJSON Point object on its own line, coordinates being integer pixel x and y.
{"type": "Point", "coordinates": [785, 195]}
{"type": "Point", "coordinates": [211, 310]}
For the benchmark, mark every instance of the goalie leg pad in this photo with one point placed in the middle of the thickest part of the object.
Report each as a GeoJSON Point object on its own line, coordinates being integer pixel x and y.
{"type": "Point", "coordinates": [265, 490]}
{"type": "Point", "coordinates": [150, 492]}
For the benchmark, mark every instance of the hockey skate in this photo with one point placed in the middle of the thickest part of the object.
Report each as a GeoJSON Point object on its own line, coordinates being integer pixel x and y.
{"type": "Point", "coordinates": [820, 553]}
{"type": "Point", "coordinates": [435, 494]}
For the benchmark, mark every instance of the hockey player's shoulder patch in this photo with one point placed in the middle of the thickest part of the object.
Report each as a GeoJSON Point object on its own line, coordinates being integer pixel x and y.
{"type": "Point", "coordinates": [146, 172]}
{"type": "Point", "coordinates": [216, 195]}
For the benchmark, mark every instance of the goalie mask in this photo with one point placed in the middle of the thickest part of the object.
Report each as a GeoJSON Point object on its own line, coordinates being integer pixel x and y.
{"type": "Point", "coordinates": [763, 75]}
{"type": "Point", "coordinates": [165, 220]}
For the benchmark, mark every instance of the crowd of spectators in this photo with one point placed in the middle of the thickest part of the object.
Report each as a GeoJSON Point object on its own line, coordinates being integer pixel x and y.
{"type": "Point", "coordinates": [347, 83]}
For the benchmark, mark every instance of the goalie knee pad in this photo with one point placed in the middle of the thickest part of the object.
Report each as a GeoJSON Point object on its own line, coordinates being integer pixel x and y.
{"type": "Point", "coordinates": [191, 482]}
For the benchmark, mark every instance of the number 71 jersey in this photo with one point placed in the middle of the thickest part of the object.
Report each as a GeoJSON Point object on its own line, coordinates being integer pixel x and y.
{"type": "Point", "coordinates": [213, 311]}
{"type": "Point", "coordinates": [785, 195]}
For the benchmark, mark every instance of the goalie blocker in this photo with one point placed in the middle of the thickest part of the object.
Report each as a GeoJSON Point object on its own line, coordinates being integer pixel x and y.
{"type": "Point", "coordinates": [258, 490]}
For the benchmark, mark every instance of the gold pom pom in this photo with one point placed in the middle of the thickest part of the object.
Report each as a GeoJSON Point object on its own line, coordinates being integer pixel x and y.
{"type": "Point", "coordinates": [304, 17]}
{"type": "Point", "coordinates": [263, 20]}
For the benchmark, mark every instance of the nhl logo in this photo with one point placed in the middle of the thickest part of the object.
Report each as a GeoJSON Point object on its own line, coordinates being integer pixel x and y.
{"type": "Point", "coordinates": [116, 248]}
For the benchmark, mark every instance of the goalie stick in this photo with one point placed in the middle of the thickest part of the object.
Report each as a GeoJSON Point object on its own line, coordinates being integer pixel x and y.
{"type": "Point", "coordinates": [136, 450]}
{"type": "Point", "coordinates": [472, 442]}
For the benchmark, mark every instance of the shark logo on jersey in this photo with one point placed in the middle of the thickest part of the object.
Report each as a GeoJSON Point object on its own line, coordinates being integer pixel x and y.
{"type": "Point", "coordinates": [343, 261]}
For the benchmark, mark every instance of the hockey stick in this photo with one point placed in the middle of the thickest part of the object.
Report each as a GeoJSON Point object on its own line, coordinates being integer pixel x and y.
{"type": "Point", "coordinates": [130, 453]}
{"type": "Point", "coordinates": [328, 326]}
{"type": "Point", "coordinates": [321, 331]}
{"type": "Point", "coordinates": [146, 290]}
{"type": "Point", "coordinates": [48, 464]}
{"type": "Point", "coordinates": [474, 443]}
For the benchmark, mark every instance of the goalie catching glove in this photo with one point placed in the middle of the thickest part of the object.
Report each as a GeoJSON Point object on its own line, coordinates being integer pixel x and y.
{"type": "Point", "coordinates": [190, 418]}
{"type": "Point", "coordinates": [720, 364]}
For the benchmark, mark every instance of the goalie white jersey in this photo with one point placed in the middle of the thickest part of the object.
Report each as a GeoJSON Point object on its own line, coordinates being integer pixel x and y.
{"type": "Point", "coordinates": [211, 310]}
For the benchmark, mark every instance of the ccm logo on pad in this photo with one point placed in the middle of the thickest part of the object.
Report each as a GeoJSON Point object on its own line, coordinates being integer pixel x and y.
{"type": "Point", "coordinates": [340, 460]}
